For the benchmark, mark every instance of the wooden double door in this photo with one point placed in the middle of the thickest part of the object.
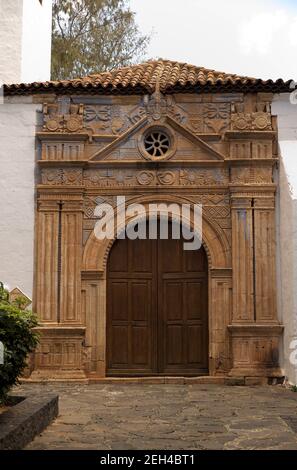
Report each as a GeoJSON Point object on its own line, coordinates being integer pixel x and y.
{"type": "Point", "coordinates": [157, 309]}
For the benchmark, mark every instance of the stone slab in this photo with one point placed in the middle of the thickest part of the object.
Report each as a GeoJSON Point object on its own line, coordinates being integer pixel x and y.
{"type": "Point", "coordinates": [21, 423]}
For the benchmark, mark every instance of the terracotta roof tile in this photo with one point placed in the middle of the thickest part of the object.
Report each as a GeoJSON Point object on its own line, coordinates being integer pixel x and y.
{"type": "Point", "coordinates": [140, 79]}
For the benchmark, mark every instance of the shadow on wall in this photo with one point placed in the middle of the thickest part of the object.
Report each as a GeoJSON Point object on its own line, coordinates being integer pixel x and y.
{"type": "Point", "coordinates": [287, 268]}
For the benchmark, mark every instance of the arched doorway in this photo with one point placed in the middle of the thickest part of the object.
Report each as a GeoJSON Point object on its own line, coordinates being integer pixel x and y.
{"type": "Point", "coordinates": [157, 308]}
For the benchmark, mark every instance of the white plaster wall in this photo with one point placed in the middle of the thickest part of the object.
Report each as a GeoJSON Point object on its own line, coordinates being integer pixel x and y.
{"type": "Point", "coordinates": [287, 226]}
{"type": "Point", "coordinates": [25, 40]}
{"type": "Point", "coordinates": [17, 163]}
{"type": "Point", "coordinates": [36, 41]}
{"type": "Point", "coordinates": [11, 13]}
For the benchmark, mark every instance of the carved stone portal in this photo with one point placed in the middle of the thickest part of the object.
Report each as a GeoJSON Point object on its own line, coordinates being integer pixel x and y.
{"type": "Point", "coordinates": [219, 152]}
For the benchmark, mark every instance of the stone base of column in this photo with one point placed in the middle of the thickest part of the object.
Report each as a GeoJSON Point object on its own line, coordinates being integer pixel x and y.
{"type": "Point", "coordinates": [255, 350]}
{"type": "Point", "coordinates": [52, 375]}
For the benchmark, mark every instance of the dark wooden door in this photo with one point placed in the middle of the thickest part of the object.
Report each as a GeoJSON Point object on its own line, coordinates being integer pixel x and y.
{"type": "Point", "coordinates": [156, 309]}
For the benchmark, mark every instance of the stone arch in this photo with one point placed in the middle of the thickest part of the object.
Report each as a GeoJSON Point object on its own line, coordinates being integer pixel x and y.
{"type": "Point", "coordinates": [214, 239]}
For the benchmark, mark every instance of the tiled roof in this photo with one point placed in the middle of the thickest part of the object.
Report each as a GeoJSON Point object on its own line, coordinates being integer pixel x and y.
{"type": "Point", "coordinates": [173, 77]}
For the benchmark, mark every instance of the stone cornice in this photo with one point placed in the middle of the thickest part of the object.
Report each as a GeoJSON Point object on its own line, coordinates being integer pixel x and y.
{"type": "Point", "coordinates": [265, 329]}
{"type": "Point", "coordinates": [250, 134]}
{"type": "Point", "coordinates": [162, 164]}
{"type": "Point", "coordinates": [62, 136]}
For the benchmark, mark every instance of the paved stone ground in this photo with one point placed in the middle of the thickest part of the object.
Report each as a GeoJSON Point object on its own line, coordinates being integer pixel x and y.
{"type": "Point", "coordinates": [142, 416]}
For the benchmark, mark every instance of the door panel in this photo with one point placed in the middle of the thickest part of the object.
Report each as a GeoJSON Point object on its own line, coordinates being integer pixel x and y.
{"type": "Point", "coordinates": [156, 309]}
{"type": "Point", "coordinates": [131, 307]}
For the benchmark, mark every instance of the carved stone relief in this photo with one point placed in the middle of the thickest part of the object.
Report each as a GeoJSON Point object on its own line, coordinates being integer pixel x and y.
{"type": "Point", "coordinates": [216, 116]}
{"type": "Point", "coordinates": [208, 117]}
{"type": "Point", "coordinates": [61, 176]}
{"type": "Point", "coordinates": [104, 119]}
{"type": "Point", "coordinates": [62, 151]}
{"type": "Point", "coordinates": [173, 177]}
{"type": "Point", "coordinates": [220, 186]}
{"type": "Point", "coordinates": [176, 176]}
{"type": "Point", "coordinates": [54, 353]}
{"type": "Point", "coordinates": [251, 175]}
{"type": "Point", "coordinates": [259, 120]}
{"type": "Point", "coordinates": [55, 120]}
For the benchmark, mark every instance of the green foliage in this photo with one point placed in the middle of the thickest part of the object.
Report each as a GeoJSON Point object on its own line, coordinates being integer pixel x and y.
{"type": "Point", "coordinates": [91, 36]}
{"type": "Point", "coordinates": [294, 388]}
{"type": "Point", "coordinates": [19, 339]}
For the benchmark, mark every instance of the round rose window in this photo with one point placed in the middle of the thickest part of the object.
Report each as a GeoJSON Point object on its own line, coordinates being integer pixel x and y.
{"type": "Point", "coordinates": [156, 144]}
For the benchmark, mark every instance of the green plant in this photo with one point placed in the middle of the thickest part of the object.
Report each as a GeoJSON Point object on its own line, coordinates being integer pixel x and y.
{"type": "Point", "coordinates": [294, 388]}
{"type": "Point", "coordinates": [19, 339]}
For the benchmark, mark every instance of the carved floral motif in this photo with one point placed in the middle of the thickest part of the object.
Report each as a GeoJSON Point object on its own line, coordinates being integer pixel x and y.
{"type": "Point", "coordinates": [216, 116]}
{"type": "Point", "coordinates": [97, 113]}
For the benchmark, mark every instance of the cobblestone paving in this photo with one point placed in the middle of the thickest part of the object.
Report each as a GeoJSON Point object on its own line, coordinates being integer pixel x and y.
{"type": "Point", "coordinates": [129, 416]}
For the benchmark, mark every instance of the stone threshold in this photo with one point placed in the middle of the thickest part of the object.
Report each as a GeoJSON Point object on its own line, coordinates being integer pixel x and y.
{"type": "Point", "coordinates": [202, 380]}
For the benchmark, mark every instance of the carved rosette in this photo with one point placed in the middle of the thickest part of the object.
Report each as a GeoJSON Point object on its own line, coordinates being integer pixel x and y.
{"type": "Point", "coordinates": [252, 121]}
{"type": "Point", "coordinates": [57, 121]}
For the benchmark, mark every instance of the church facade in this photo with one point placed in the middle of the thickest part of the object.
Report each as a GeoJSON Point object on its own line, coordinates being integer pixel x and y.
{"type": "Point", "coordinates": [167, 133]}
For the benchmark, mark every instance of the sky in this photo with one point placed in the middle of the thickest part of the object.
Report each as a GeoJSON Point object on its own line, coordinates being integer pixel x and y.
{"type": "Point", "coordinates": [249, 37]}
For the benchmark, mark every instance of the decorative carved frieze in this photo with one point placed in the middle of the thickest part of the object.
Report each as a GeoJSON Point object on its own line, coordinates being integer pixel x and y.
{"type": "Point", "coordinates": [217, 205]}
{"type": "Point", "coordinates": [262, 149]}
{"type": "Point", "coordinates": [98, 113]}
{"type": "Point", "coordinates": [62, 151]}
{"type": "Point", "coordinates": [153, 177]}
{"type": "Point", "coordinates": [91, 202]}
{"type": "Point", "coordinates": [105, 119]}
{"type": "Point", "coordinates": [208, 117]}
{"type": "Point", "coordinates": [259, 120]}
{"type": "Point", "coordinates": [58, 353]}
{"type": "Point", "coordinates": [216, 116]}
{"type": "Point", "coordinates": [251, 175]}
{"type": "Point", "coordinates": [240, 149]}
{"type": "Point", "coordinates": [55, 120]}
{"type": "Point", "coordinates": [176, 176]}
{"type": "Point", "coordinates": [203, 177]}
{"type": "Point", "coordinates": [251, 121]}
{"type": "Point", "coordinates": [61, 176]}
{"type": "Point", "coordinates": [246, 149]}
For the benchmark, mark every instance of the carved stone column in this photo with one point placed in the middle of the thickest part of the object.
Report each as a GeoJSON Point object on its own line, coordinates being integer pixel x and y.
{"type": "Point", "coordinates": [242, 260]}
{"type": "Point", "coordinates": [58, 289]}
{"type": "Point", "coordinates": [255, 330]}
{"type": "Point", "coordinates": [220, 304]}
{"type": "Point", "coordinates": [94, 313]}
{"type": "Point", "coordinates": [265, 269]}
{"type": "Point", "coordinates": [71, 257]}
{"type": "Point", "coordinates": [46, 281]}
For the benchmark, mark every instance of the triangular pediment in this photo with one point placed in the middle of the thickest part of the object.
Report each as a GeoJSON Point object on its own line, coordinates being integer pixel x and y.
{"type": "Point", "coordinates": [128, 146]}
{"type": "Point", "coordinates": [118, 142]}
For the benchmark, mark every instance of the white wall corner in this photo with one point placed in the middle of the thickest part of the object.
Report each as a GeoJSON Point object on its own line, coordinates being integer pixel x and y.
{"type": "Point", "coordinates": [36, 41]}
{"type": "Point", "coordinates": [17, 194]}
{"type": "Point", "coordinates": [25, 40]}
{"type": "Point", "coordinates": [287, 227]}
